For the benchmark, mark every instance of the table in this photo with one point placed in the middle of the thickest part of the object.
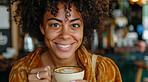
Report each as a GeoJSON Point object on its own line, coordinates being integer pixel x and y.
{"type": "Point", "coordinates": [141, 65]}
{"type": "Point", "coordinates": [6, 64]}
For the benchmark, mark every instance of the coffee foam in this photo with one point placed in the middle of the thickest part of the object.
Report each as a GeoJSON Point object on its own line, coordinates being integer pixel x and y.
{"type": "Point", "coordinates": [68, 69]}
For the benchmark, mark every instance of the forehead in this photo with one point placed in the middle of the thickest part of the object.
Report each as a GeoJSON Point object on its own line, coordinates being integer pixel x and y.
{"type": "Point", "coordinates": [64, 13]}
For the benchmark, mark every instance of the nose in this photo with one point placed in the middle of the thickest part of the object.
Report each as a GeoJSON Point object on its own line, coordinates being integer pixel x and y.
{"type": "Point", "coordinates": [65, 33]}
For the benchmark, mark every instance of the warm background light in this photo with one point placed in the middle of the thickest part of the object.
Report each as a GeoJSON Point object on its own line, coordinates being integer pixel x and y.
{"type": "Point", "coordinates": [139, 2]}
{"type": "Point", "coordinates": [143, 1]}
{"type": "Point", "coordinates": [134, 0]}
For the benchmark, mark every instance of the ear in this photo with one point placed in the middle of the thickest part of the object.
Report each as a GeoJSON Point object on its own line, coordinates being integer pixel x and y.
{"type": "Point", "coordinates": [42, 29]}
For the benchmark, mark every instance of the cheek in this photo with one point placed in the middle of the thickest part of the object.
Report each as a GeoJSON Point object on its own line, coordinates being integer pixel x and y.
{"type": "Point", "coordinates": [50, 36]}
{"type": "Point", "coordinates": [79, 36]}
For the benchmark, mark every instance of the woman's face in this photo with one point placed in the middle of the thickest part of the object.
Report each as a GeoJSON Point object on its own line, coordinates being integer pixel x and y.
{"type": "Point", "coordinates": [63, 36]}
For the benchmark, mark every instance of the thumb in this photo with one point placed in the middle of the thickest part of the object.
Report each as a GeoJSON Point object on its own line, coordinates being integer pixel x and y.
{"type": "Point", "coordinates": [53, 78]}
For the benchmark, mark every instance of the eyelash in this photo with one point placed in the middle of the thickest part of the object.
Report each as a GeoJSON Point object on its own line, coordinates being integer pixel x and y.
{"type": "Point", "coordinates": [75, 24]}
{"type": "Point", "coordinates": [55, 25]}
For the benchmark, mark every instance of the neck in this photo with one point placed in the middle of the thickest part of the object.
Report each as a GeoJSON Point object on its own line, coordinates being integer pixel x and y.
{"type": "Point", "coordinates": [53, 61]}
{"type": "Point", "coordinates": [64, 62]}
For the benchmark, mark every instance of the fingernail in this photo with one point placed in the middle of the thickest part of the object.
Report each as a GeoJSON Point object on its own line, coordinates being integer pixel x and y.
{"type": "Point", "coordinates": [73, 81]}
{"type": "Point", "coordinates": [48, 67]}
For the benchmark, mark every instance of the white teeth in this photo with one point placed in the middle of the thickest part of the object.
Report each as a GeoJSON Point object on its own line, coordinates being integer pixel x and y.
{"type": "Point", "coordinates": [64, 46]}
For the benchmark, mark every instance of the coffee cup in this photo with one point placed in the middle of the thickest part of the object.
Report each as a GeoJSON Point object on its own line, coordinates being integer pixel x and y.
{"type": "Point", "coordinates": [68, 73]}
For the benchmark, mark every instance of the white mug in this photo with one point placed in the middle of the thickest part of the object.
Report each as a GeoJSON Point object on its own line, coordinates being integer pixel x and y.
{"type": "Point", "coordinates": [68, 73]}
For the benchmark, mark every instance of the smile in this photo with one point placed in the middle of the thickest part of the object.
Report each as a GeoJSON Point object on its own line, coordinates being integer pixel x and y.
{"type": "Point", "coordinates": [64, 46]}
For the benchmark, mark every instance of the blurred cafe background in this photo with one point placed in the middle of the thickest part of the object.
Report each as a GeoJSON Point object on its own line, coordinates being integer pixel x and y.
{"type": "Point", "coordinates": [124, 39]}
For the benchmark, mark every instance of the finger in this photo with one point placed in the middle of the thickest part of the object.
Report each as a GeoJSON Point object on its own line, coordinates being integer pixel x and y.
{"type": "Point", "coordinates": [53, 78]}
{"type": "Point", "coordinates": [42, 75]}
{"type": "Point", "coordinates": [45, 75]}
{"type": "Point", "coordinates": [44, 80]}
{"type": "Point", "coordinates": [79, 80]}
{"type": "Point", "coordinates": [47, 68]}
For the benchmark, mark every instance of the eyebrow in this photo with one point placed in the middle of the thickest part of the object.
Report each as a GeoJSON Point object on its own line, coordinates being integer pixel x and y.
{"type": "Point", "coordinates": [55, 19]}
{"type": "Point", "coordinates": [61, 20]}
{"type": "Point", "coordinates": [74, 19]}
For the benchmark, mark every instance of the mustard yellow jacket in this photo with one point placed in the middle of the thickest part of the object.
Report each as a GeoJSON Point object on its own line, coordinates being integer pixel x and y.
{"type": "Point", "coordinates": [105, 71]}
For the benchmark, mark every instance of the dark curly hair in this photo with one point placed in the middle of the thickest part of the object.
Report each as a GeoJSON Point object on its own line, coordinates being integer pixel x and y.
{"type": "Point", "coordinates": [29, 14]}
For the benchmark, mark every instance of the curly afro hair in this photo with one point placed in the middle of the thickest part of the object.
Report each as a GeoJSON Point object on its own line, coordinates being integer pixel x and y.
{"type": "Point", "coordinates": [31, 12]}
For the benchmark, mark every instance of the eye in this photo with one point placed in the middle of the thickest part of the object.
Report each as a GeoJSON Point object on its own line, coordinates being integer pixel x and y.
{"type": "Point", "coordinates": [75, 25]}
{"type": "Point", "coordinates": [55, 25]}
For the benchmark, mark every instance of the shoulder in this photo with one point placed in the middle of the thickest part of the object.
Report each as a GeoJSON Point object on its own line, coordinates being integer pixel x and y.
{"type": "Point", "coordinates": [21, 65]}
{"type": "Point", "coordinates": [29, 62]}
{"type": "Point", "coordinates": [106, 63]}
{"type": "Point", "coordinates": [24, 65]}
{"type": "Point", "coordinates": [31, 58]}
{"type": "Point", "coordinates": [106, 67]}
{"type": "Point", "coordinates": [18, 70]}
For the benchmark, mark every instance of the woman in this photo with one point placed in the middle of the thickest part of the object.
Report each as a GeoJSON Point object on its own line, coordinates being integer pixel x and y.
{"type": "Point", "coordinates": [62, 25]}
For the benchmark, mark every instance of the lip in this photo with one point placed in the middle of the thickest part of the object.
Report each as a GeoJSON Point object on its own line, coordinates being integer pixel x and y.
{"type": "Point", "coordinates": [64, 47]}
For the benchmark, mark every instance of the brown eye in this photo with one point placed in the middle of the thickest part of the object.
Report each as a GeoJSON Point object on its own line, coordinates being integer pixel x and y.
{"type": "Point", "coordinates": [55, 25]}
{"type": "Point", "coordinates": [75, 25]}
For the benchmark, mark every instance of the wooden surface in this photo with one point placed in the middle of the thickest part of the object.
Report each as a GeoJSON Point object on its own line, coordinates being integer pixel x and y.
{"type": "Point", "coordinates": [141, 65]}
{"type": "Point", "coordinates": [6, 64]}
{"type": "Point", "coordinates": [14, 30]}
{"type": "Point", "coordinates": [1, 57]}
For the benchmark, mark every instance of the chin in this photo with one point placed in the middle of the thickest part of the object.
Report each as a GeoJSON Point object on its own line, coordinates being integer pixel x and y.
{"type": "Point", "coordinates": [64, 55]}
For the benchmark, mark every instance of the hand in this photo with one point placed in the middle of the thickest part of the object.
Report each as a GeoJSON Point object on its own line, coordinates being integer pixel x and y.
{"type": "Point", "coordinates": [44, 74]}
{"type": "Point", "coordinates": [79, 81]}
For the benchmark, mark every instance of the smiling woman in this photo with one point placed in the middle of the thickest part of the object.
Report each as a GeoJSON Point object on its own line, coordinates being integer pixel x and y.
{"type": "Point", "coordinates": [62, 25]}
{"type": "Point", "coordinates": [63, 35]}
